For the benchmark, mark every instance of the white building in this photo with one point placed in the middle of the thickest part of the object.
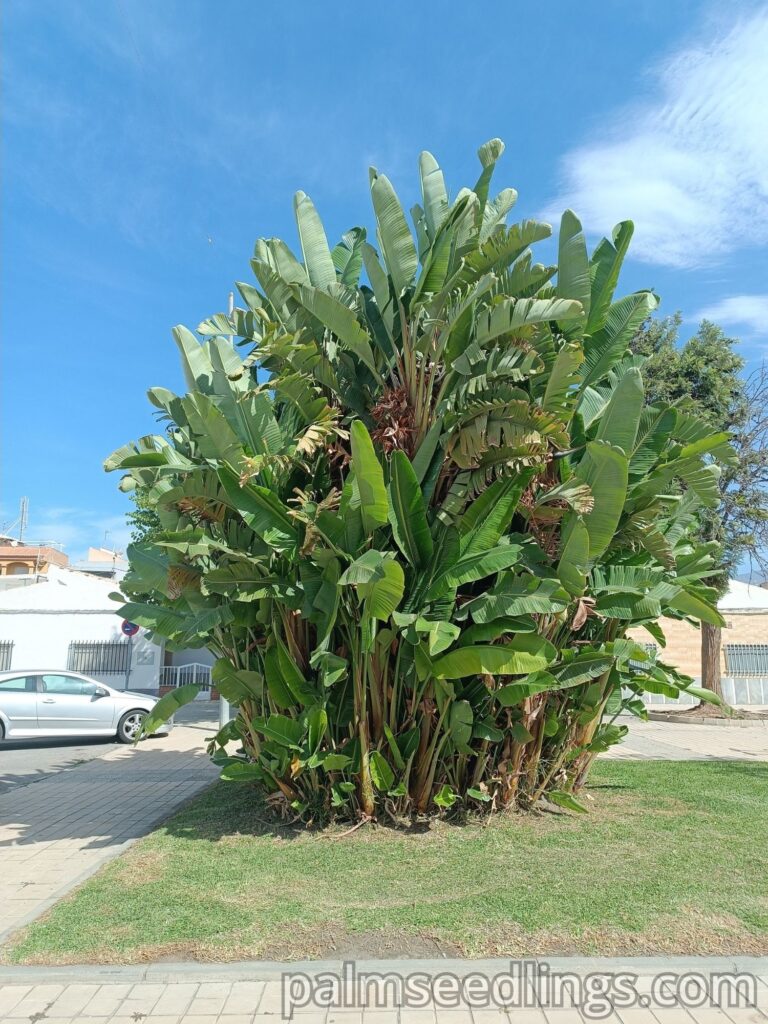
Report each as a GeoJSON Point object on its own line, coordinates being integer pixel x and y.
{"type": "Point", "coordinates": [67, 620]}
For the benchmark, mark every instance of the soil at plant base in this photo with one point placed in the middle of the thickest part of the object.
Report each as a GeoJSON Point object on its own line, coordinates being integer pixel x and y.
{"type": "Point", "coordinates": [706, 713]}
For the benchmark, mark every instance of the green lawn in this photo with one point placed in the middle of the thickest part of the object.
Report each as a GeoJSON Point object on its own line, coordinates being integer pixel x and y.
{"type": "Point", "coordinates": [672, 858]}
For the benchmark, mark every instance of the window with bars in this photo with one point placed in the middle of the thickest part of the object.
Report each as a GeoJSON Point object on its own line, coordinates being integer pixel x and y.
{"type": "Point", "coordinates": [101, 658]}
{"type": "Point", "coordinates": [746, 659]}
{"type": "Point", "coordinates": [6, 654]}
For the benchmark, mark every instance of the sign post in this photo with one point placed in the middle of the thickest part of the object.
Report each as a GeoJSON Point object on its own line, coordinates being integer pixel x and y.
{"type": "Point", "coordinates": [129, 629]}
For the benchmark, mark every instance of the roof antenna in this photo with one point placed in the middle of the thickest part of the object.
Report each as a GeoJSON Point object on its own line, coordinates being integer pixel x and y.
{"type": "Point", "coordinates": [23, 518]}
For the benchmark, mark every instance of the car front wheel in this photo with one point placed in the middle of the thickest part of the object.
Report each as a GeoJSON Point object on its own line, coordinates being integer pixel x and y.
{"type": "Point", "coordinates": [130, 726]}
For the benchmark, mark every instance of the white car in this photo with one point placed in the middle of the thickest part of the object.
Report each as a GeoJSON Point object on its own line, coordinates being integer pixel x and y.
{"type": "Point", "coordinates": [38, 704]}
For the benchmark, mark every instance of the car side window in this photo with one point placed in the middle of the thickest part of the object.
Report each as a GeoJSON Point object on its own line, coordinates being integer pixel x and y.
{"type": "Point", "coordinates": [19, 684]}
{"type": "Point", "coordinates": [68, 685]}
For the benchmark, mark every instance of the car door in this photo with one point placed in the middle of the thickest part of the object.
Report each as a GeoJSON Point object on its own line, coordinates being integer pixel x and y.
{"type": "Point", "coordinates": [67, 704]}
{"type": "Point", "coordinates": [18, 704]}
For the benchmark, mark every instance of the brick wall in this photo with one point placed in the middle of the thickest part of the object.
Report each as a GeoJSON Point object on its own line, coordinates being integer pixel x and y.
{"type": "Point", "coordinates": [684, 641]}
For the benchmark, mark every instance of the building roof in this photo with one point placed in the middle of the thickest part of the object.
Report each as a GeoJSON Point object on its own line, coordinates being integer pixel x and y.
{"type": "Point", "coordinates": [744, 597]}
{"type": "Point", "coordinates": [61, 590]}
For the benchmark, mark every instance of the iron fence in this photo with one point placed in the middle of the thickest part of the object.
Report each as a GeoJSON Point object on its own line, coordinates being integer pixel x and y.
{"type": "Point", "coordinates": [102, 658]}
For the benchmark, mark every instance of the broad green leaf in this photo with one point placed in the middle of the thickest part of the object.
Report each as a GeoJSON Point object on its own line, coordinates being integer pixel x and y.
{"type": "Point", "coordinates": [369, 476]}
{"type": "Point", "coordinates": [581, 669]}
{"type": "Point", "coordinates": [621, 417]}
{"type": "Point", "coordinates": [292, 676]}
{"type": "Point", "coordinates": [573, 263]}
{"type": "Point", "coordinates": [509, 314]}
{"type": "Point", "coordinates": [166, 707]}
{"type": "Point", "coordinates": [340, 320]}
{"type": "Point", "coordinates": [518, 595]}
{"type": "Point", "coordinates": [261, 509]}
{"type": "Point", "coordinates": [482, 632]}
{"type": "Point", "coordinates": [336, 762]}
{"type": "Point", "coordinates": [440, 635]}
{"type": "Point", "coordinates": [693, 606]}
{"type": "Point", "coordinates": [488, 154]}
{"type": "Point", "coordinates": [574, 560]}
{"type": "Point", "coordinates": [472, 567]}
{"type": "Point", "coordinates": [241, 771]}
{"type": "Point", "coordinates": [278, 688]}
{"type": "Point", "coordinates": [514, 693]}
{"type": "Point", "coordinates": [381, 772]}
{"type": "Point", "coordinates": [314, 244]}
{"type": "Point", "coordinates": [288, 732]}
{"type": "Point", "coordinates": [607, 346]}
{"type": "Point", "coordinates": [194, 359]}
{"type": "Point", "coordinates": [559, 394]}
{"type": "Point", "coordinates": [317, 723]}
{"type": "Point", "coordinates": [605, 469]}
{"type": "Point", "coordinates": [445, 797]}
{"type": "Point", "coordinates": [394, 235]}
{"type": "Point", "coordinates": [488, 517]}
{"type": "Point", "coordinates": [460, 721]}
{"type": "Point", "coordinates": [705, 695]}
{"type": "Point", "coordinates": [523, 655]}
{"type": "Point", "coordinates": [384, 594]}
{"type": "Point", "coordinates": [365, 569]}
{"type": "Point", "coordinates": [566, 800]}
{"type": "Point", "coordinates": [347, 256]}
{"type": "Point", "coordinates": [236, 686]}
{"type": "Point", "coordinates": [433, 192]}
{"type": "Point", "coordinates": [407, 514]}
{"type": "Point", "coordinates": [604, 271]}
{"type": "Point", "coordinates": [149, 570]}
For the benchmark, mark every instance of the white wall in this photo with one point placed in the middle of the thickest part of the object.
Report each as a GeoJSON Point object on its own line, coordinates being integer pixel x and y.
{"type": "Point", "coordinates": [41, 640]}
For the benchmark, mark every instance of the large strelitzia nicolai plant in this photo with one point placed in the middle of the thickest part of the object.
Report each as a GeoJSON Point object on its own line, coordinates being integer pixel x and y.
{"type": "Point", "coordinates": [417, 517]}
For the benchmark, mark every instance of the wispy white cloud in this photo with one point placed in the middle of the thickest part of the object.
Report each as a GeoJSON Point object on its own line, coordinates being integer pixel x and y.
{"type": "Point", "coordinates": [689, 164]}
{"type": "Point", "coordinates": [77, 529]}
{"type": "Point", "coordinates": [746, 311]}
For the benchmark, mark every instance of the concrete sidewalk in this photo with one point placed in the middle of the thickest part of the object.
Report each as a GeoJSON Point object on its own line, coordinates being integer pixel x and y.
{"type": "Point", "coordinates": [672, 741]}
{"type": "Point", "coordinates": [247, 993]}
{"type": "Point", "coordinates": [57, 832]}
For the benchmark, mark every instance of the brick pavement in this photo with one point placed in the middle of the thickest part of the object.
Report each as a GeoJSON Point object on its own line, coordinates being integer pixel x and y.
{"type": "Point", "coordinates": [56, 832]}
{"type": "Point", "coordinates": [253, 994]}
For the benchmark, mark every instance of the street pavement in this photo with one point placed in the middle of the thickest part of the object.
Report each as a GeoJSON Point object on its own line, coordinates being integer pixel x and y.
{"type": "Point", "coordinates": [27, 761]}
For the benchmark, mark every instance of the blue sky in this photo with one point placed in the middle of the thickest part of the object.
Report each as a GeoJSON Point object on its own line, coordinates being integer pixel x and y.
{"type": "Point", "coordinates": [147, 146]}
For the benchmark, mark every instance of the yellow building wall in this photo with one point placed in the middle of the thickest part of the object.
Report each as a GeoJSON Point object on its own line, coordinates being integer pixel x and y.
{"type": "Point", "coordinates": [683, 649]}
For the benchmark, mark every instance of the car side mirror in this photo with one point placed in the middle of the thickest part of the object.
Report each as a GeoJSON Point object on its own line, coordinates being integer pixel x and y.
{"type": "Point", "coordinates": [98, 692]}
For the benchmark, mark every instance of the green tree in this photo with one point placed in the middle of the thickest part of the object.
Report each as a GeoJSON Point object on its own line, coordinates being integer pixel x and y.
{"type": "Point", "coordinates": [416, 518]}
{"type": "Point", "coordinates": [143, 519]}
{"type": "Point", "coordinates": [705, 374]}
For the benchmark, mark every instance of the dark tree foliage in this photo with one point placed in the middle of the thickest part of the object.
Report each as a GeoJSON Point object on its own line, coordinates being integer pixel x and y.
{"type": "Point", "coordinates": [706, 374]}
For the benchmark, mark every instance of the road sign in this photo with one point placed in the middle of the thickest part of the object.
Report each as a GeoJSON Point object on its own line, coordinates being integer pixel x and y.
{"type": "Point", "coordinates": [129, 628]}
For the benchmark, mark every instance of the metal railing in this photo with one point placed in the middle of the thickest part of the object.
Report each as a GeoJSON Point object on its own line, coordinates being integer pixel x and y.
{"type": "Point", "coordinates": [101, 658]}
{"type": "Point", "coordinates": [746, 659]}
{"type": "Point", "coordinates": [180, 675]}
{"type": "Point", "coordinates": [6, 654]}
